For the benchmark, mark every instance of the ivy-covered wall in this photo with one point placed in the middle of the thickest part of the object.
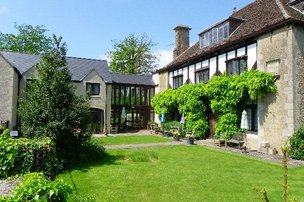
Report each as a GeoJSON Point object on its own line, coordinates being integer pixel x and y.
{"type": "Point", "coordinates": [225, 95]}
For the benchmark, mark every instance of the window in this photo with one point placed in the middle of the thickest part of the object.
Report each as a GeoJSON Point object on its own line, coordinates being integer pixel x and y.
{"type": "Point", "coordinates": [177, 81]}
{"type": "Point", "coordinates": [215, 35]}
{"type": "Point", "coordinates": [202, 75]}
{"type": "Point", "coordinates": [93, 88]}
{"type": "Point", "coordinates": [252, 117]}
{"type": "Point", "coordinates": [236, 66]}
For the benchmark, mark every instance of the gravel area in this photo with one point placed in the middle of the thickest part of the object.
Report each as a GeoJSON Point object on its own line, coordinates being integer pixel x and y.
{"type": "Point", "coordinates": [267, 157]}
{"type": "Point", "coordinates": [6, 186]}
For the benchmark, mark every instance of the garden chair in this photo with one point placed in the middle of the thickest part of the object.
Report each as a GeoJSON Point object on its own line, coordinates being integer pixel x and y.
{"type": "Point", "coordinates": [113, 130]}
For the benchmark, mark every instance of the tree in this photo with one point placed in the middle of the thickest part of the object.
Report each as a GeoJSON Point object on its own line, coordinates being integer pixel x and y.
{"type": "Point", "coordinates": [29, 39]}
{"type": "Point", "coordinates": [50, 107]}
{"type": "Point", "coordinates": [133, 55]}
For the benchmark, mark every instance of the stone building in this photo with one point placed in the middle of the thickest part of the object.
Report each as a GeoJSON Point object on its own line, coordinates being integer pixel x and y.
{"type": "Point", "coordinates": [110, 92]}
{"type": "Point", "coordinates": [267, 35]}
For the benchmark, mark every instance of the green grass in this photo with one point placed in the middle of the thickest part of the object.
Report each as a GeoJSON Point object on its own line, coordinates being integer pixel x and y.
{"type": "Point", "coordinates": [119, 140]}
{"type": "Point", "coordinates": [182, 173]}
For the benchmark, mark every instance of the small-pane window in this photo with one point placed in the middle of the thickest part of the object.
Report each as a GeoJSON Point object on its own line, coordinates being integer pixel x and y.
{"type": "Point", "coordinates": [93, 88]}
{"type": "Point", "coordinates": [252, 117]}
{"type": "Point", "coordinates": [177, 81]}
{"type": "Point", "coordinates": [202, 75]}
{"type": "Point", "coordinates": [236, 66]}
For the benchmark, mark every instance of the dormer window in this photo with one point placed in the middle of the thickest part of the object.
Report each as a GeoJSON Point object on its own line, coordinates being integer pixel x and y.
{"type": "Point", "coordinates": [218, 32]}
{"type": "Point", "coordinates": [214, 35]}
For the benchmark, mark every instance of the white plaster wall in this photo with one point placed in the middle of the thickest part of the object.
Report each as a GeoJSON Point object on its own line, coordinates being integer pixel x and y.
{"type": "Point", "coordinates": [222, 63]}
{"type": "Point", "coordinates": [191, 74]}
{"type": "Point", "coordinates": [241, 52]}
{"type": "Point", "coordinates": [252, 55]}
{"type": "Point", "coordinates": [171, 79]}
{"type": "Point", "coordinates": [185, 74]}
{"type": "Point", "coordinates": [212, 67]}
{"type": "Point", "coordinates": [231, 55]}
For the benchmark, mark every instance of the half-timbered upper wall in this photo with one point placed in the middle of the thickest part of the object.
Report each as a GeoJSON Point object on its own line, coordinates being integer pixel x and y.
{"type": "Point", "coordinates": [214, 64]}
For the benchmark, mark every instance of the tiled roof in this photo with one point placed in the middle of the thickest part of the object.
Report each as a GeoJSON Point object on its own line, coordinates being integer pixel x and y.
{"type": "Point", "coordinates": [78, 67]}
{"type": "Point", "coordinates": [259, 17]}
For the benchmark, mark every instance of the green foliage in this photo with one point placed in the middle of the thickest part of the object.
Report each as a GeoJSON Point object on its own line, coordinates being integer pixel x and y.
{"type": "Point", "coordinates": [296, 142]}
{"type": "Point", "coordinates": [28, 39]}
{"type": "Point", "coordinates": [227, 125]}
{"type": "Point", "coordinates": [165, 101]}
{"type": "Point", "coordinates": [35, 187]}
{"type": "Point", "coordinates": [259, 83]}
{"type": "Point", "coordinates": [167, 126]}
{"type": "Point", "coordinates": [224, 94]}
{"type": "Point", "coordinates": [133, 55]}
{"type": "Point", "coordinates": [50, 107]}
{"type": "Point", "coordinates": [19, 156]}
{"type": "Point", "coordinates": [87, 151]}
{"type": "Point", "coordinates": [262, 193]}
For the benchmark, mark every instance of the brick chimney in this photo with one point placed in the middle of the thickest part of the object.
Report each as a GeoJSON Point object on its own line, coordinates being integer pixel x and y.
{"type": "Point", "coordinates": [181, 40]}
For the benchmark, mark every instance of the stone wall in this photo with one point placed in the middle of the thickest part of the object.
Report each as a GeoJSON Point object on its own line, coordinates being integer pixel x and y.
{"type": "Point", "coordinates": [298, 64]}
{"type": "Point", "coordinates": [163, 81]}
{"type": "Point", "coordinates": [8, 93]}
{"type": "Point", "coordinates": [276, 111]}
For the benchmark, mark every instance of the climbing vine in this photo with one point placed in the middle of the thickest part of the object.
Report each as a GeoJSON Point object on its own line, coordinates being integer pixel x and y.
{"type": "Point", "coordinates": [225, 95]}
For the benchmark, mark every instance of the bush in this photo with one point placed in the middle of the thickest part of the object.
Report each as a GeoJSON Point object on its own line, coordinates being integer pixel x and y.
{"type": "Point", "coordinates": [168, 125]}
{"type": "Point", "coordinates": [35, 187]}
{"type": "Point", "coordinates": [296, 148]}
{"type": "Point", "coordinates": [19, 156]}
{"type": "Point", "coordinates": [88, 151]}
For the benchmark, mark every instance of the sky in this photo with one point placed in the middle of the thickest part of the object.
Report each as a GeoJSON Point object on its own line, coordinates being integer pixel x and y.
{"type": "Point", "coordinates": [90, 26]}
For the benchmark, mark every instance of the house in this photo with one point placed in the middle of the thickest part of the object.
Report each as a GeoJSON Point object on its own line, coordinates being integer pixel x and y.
{"type": "Point", "coordinates": [266, 35]}
{"type": "Point", "coordinates": [110, 92]}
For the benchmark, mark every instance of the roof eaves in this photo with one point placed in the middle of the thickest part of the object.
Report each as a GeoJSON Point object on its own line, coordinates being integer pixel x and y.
{"type": "Point", "coordinates": [228, 43]}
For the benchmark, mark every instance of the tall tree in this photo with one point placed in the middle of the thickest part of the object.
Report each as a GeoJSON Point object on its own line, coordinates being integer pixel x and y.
{"type": "Point", "coordinates": [133, 55]}
{"type": "Point", "coordinates": [49, 106]}
{"type": "Point", "coordinates": [29, 39]}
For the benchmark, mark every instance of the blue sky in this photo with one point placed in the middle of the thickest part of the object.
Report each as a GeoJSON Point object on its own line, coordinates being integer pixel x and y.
{"type": "Point", "coordinates": [88, 26]}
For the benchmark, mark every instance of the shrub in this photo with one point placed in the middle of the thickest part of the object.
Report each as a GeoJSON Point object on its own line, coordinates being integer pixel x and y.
{"type": "Point", "coordinates": [168, 125]}
{"type": "Point", "coordinates": [19, 156]}
{"type": "Point", "coordinates": [296, 148]}
{"type": "Point", "coordinates": [88, 151]}
{"type": "Point", "coordinates": [35, 187]}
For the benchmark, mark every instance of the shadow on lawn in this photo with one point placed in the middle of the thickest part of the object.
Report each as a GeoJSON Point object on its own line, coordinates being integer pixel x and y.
{"type": "Point", "coordinates": [107, 159]}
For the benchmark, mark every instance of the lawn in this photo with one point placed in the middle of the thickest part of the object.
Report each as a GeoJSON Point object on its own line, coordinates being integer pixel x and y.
{"type": "Point", "coordinates": [182, 173]}
{"type": "Point", "coordinates": [118, 140]}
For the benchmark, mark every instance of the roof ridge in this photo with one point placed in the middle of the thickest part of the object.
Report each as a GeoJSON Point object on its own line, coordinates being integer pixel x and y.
{"type": "Point", "coordinates": [35, 54]}
{"type": "Point", "coordinates": [17, 52]}
{"type": "Point", "coordinates": [282, 9]}
{"type": "Point", "coordinates": [72, 57]}
{"type": "Point", "coordinates": [128, 74]}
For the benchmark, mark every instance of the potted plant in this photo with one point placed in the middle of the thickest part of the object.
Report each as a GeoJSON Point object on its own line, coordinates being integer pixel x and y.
{"type": "Point", "coordinates": [176, 135]}
{"type": "Point", "coordinates": [190, 138]}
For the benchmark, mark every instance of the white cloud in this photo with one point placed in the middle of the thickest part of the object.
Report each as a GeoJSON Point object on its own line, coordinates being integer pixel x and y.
{"type": "Point", "coordinates": [164, 57]}
{"type": "Point", "coordinates": [4, 9]}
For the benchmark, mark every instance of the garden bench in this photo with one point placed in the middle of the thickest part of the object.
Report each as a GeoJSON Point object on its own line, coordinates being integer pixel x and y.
{"type": "Point", "coordinates": [238, 138]}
